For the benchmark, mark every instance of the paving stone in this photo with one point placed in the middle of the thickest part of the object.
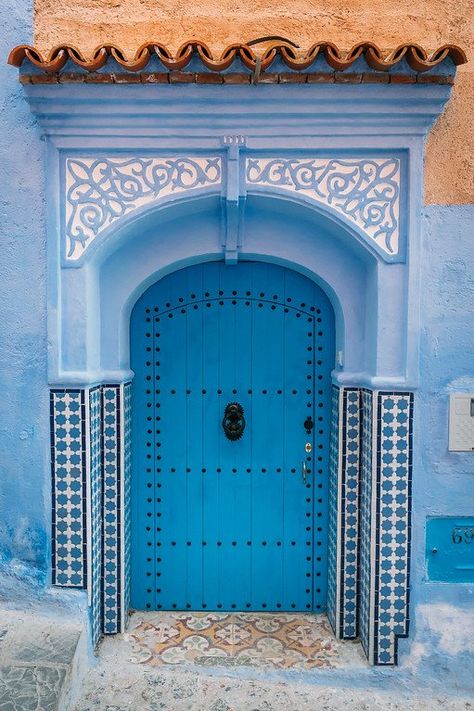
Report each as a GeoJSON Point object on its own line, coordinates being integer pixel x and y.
{"type": "Point", "coordinates": [36, 652]}
{"type": "Point", "coordinates": [36, 640]}
{"type": "Point", "coordinates": [117, 690]}
{"type": "Point", "coordinates": [31, 688]}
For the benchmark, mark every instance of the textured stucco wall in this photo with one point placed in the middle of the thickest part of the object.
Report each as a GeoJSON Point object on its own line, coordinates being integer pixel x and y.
{"type": "Point", "coordinates": [443, 482]}
{"type": "Point", "coordinates": [129, 23]}
{"type": "Point", "coordinates": [24, 426]}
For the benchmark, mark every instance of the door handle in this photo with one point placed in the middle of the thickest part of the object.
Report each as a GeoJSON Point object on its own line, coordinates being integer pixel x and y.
{"type": "Point", "coordinates": [234, 421]}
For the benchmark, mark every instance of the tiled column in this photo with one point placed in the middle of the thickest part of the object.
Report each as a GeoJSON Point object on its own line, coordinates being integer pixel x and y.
{"type": "Point", "coordinates": [385, 522]}
{"type": "Point", "coordinates": [344, 512]}
{"type": "Point", "coordinates": [365, 611]}
{"type": "Point", "coordinates": [90, 448]}
{"type": "Point", "coordinates": [69, 487]}
{"type": "Point", "coordinates": [116, 518]}
{"type": "Point", "coordinates": [94, 449]}
{"type": "Point", "coordinates": [77, 494]}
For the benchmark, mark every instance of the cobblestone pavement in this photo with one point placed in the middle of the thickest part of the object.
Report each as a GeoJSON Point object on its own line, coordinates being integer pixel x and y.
{"type": "Point", "coordinates": [128, 675]}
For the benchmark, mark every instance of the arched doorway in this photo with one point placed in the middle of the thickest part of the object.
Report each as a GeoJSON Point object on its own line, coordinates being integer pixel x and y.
{"type": "Point", "coordinates": [221, 522]}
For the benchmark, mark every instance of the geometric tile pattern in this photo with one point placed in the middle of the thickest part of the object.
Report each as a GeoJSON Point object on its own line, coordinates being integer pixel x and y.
{"type": "Point", "coordinates": [116, 409]}
{"type": "Point", "coordinates": [344, 512]}
{"type": "Point", "coordinates": [392, 522]}
{"type": "Point", "coordinates": [94, 449]}
{"type": "Point", "coordinates": [90, 466]}
{"type": "Point", "coordinates": [69, 499]}
{"type": "Point", "coordinates": [262, 640]}
{"type": "Point", "coordinates": [112, 508]}
{"type": "Point", "coordinates": [127, 481]}
{"type": "Point", "coordinates": [365, 627]}
{"type": "Point", "coordinates": [385, 511]}
{"type": "Point", "coordinates": [349, 511]}
{"type": "Point", "coordinates": [333, 607]}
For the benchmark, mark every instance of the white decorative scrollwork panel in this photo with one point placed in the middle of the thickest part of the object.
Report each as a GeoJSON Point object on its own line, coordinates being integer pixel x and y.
{"type": "Point", "coordinates": [99, 191]}
{"type": "Point", "coordinates": [365, 191]}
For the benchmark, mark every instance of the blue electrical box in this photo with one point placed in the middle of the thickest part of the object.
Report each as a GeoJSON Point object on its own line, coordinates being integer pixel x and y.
{"type": "Point", "coordinates": [450, 549]}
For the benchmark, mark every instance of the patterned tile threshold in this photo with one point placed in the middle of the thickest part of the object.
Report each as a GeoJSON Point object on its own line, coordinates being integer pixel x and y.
{"type": "Point", "coordinates": [278, 641]}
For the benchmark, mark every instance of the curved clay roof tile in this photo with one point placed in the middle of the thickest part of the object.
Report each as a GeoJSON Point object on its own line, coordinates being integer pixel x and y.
{"type": "Point", "coordinates": [139, 61]}
{"type": "Point", "coordinates": [417, 58]}
{"type": "Point", "coordinates": [99, 58]}
{"type": "Point", "coordinates": [216, 64]}
{"type": "Point", "coordinates": [420, 61]}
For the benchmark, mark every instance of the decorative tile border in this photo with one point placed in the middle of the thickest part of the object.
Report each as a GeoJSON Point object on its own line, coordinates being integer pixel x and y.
{"type": "Point", "coordinates": [344, 512]}
{"type": "Point", "coordinates": [127, 485]}
{"type": "Point", "coordinates": [385, 513]}
{"type": "Point", "coordinates": [112, 509]}
{"type": "Point", "coordinates": [116, 517]}
{"type": "Point", "coordinates": [90, 446]}
{"type": "Point", "coordinates": [392, 523]}
{"type": "Point", "coordinates": [349, 508]}
{"type": "Point", "coordinates": [95, 486]}
{"type": "Point", "coordinates": [69, 496]}
{"type": "Point", "coordinates": [366, 574]}
{"type": "Point", "coordinates": [333, 595]}
{"type": "Point", "coordinates": [101, 190]}
{"type": "Point", "coordinates": [364, 190]}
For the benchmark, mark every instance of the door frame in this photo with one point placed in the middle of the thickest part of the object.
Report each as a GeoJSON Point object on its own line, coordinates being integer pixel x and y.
{"type": "Point", "coordinates": [305, 240]}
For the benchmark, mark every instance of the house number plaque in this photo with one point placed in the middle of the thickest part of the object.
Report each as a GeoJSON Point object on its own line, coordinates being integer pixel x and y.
{"type": "Point", "coordinates": [450, 549]}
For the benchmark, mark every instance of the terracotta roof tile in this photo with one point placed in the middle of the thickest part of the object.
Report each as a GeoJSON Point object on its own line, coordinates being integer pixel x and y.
{"type": "Point", "coordinates": [257, 62]}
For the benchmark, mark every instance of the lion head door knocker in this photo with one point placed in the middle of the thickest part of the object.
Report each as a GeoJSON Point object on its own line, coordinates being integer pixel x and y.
{"type": "Point", "coordinates": [234, 421]}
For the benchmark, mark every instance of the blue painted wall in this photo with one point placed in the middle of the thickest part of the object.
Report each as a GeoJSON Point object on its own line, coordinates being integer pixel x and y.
{"type": "Point", "coordinates": [443, 482]}
{"type": "Point", "coordinates": [24, 455]}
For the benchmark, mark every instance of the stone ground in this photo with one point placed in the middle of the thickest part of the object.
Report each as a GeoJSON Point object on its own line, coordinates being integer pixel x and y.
{"type": "Point", "coordinates": [36, 656]}
{"type": "Point", "coordinates": [130, 672]}
{"type": "Point", "coordinates": [40, 629]}
{"type": "Point", "coordinates": [195, 662]}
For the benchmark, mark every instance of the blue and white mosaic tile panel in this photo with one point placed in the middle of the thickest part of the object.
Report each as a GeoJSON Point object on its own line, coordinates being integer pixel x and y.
{"type": "Point", "coordinates": [69, 495]}
{"type": "Point", "coordinates": [365, 514]}
{"type": "Point", "coordinates": [94, 446]}
{"type": "Point", "coordinates": [344, 512]}
{"type": "Point", "coordinates": [349, 512]}
{"type": "Point", "coordinates": [385, 512]}
{"type": "Point", "coordinates": [90, 445]}
{"type": "Point", "coordinates": [116, 407]}
{"type": "Point", "coordinates": [112, 508]}
{"type": "Point", "coordinates": [333, 522]}
{"type": "Point", "coordinates": [127, 481]}
{"type": "Point", "coordinates": [393, 523]}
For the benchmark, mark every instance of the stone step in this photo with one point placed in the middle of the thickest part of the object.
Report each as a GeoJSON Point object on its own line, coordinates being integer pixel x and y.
{"type": "Point", "coordinates": [37, 657]}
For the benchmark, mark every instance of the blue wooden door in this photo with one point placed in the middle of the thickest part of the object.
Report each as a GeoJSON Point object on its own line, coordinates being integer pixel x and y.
{"type": "Point", "coordinates": [222, 524]}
